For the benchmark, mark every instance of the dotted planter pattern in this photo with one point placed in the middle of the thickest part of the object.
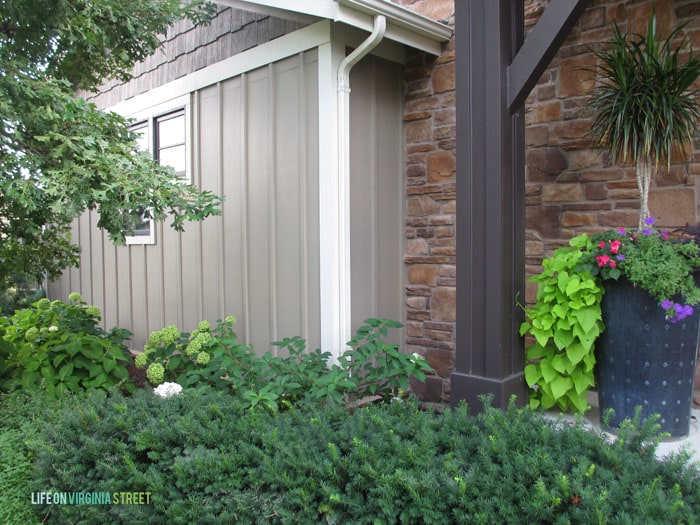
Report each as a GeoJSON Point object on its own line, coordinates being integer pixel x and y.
{"type": "Point", "coordinates": [644, 360]}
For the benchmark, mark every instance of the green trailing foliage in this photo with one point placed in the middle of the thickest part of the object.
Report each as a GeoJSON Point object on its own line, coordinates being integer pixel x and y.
{"type": "Point", "coordinates": [204, 458]}
{"type": "Point", "coordinates": [565, 322]}
{"type": "Point", "coordinates": [215, 357]}
{"type": "Point", "coordinates": [59, 347]}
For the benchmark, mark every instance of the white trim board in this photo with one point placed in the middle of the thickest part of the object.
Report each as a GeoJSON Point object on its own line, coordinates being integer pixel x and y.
{"type": "Point", "coordinates": [273, 51]}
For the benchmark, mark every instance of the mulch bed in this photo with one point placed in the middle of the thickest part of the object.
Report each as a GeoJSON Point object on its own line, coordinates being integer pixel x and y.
{"type": "Point", "coordinates": [137, 375]}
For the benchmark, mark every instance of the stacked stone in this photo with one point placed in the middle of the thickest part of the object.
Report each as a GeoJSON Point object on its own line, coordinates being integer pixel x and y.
{"type": "Point", "coordinates": [430, 206]}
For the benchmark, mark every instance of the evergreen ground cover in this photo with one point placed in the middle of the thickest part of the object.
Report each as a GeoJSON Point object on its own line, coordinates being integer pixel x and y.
{"type": "Point", "coordinates": [203, 458]}
{"type": "Point", "coordinates": [22, 420]}
{"type": "Point", "coordinates": [263, 439]}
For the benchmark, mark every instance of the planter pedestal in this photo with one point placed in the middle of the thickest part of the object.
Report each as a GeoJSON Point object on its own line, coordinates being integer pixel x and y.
{"type": "Point", "coordinates": [644, 360]}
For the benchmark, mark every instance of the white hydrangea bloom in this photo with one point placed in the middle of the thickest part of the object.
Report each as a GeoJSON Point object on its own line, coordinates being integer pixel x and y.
{"type": "Point", "coordinates": [166, 390]}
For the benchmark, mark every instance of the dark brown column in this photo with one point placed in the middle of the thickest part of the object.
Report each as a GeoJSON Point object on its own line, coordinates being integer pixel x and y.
{"type": "Point", "coordinates": [495, 73]}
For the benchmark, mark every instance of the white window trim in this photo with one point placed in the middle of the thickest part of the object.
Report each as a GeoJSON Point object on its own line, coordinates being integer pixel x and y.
{"type": "Point", "coordinates": [150, 115]}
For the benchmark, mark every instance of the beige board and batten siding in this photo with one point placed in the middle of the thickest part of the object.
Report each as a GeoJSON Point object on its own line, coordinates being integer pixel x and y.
{"type": "Point", "coordinates": [376, 191]}
{"type": "Point", "coordinates": [255, 141]}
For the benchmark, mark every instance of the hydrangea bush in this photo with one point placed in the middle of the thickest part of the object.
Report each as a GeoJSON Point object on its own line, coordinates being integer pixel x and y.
{"type": "Point", "coordinates": [213, 356]}
{"type": "Point", "coordinates": [61, 347]}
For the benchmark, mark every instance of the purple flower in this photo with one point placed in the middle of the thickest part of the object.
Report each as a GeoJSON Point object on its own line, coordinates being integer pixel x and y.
{"type": "Point", "coordinates": [649, 221]}
{"type": "Point", "coordinates": [646, 231]}
{"type": "Point", "coordinates": [664, 235]}
{"type": "Point", "coordinates": [680, 311]}
{"type": "Point", "coordinates": [621, 231]}
{"type": "Point", "coordinates": [621, 257]}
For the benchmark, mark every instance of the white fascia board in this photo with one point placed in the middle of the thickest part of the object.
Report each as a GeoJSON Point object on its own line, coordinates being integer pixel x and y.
{"type": "Point", "coordinates": [403, 25]}
{"type": "Point", "coordinates": [285, 46]}
{"type": "Point", "coordinates": [306, 11]}
{"type": "Point", "coordinates": [287, 8]}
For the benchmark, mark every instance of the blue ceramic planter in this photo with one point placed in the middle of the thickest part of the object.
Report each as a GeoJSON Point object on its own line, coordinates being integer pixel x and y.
{"type": "Point", "coordinates": [644, 360]}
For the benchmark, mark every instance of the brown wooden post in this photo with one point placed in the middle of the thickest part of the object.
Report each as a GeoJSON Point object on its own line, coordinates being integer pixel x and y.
{"type": "Point", "coordinates": [496, 69]}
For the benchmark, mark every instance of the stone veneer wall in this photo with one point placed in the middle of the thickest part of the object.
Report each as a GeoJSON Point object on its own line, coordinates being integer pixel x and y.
{"type": "Point", "coordinates": [570, 187]}
{"type": "Point", "coordinates": [430, 205]}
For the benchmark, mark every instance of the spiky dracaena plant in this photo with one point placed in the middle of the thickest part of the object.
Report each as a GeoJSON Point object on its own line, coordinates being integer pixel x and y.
{"type": "Point", "coordinates": [644, 103]}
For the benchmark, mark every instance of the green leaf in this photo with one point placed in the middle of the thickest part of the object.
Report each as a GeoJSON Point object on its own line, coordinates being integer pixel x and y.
{"type": "Point", "coordinates": [580, 402]}
{"type": "Point", "coordinates": [560, 311]}
{"type": "Point", "coordinates": [560, 386]}
{"type": "Point", "coordinates": [542, 336]}
{"type": "Point", "coordinates": [576, 352]}
{"type": "Point", "coordinates": [563, 338]}
{"type": "Point", "coordinates": [582, 381]}
{"type": "Point", "coordinates": [587, 317]}
{"type": "Point", "coordinates": [532, 374]}
{"type": "Point", "coordinates": [548, 371]}
{"type": "Point", "coordinates": [536, 351]}
{"type": "Point", "coordinates": [91, 352]}
{"type": "Point", "coordinates": [573, 286]}
{"type": "Point", "coordinates": [73, 348]}
{"type": "Point", "coordinates": [561, 364]}
{"type": "Point", "coordinates": [65, 371]}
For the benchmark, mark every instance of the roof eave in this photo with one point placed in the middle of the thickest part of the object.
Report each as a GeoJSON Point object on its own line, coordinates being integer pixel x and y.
{"type": "Point", "coordinates": [403, 25]}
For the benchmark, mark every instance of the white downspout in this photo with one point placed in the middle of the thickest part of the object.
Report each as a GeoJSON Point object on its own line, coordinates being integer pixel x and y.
{"type": "Point", "coordinates": [378, 30]}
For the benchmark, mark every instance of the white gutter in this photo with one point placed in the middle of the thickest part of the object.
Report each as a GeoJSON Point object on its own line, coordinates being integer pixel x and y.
{"type": "Point", "coordinates": [378, 30]}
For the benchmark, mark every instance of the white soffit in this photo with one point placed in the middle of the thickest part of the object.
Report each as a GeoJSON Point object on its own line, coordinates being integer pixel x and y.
{"type": "Point", "coordinates": [403, 25]}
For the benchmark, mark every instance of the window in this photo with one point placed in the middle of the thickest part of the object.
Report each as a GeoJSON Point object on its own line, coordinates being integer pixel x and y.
{"type": "Point", "coordinates": [165, 136]}
{"type": "Point", "coordinates": [144, 232]}
{"type": "Point", "coordinates": [170, 147]}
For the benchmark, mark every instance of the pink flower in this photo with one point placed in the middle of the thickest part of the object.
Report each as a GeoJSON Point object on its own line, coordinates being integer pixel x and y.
{"type": "Point", "coordinates": [615, 246]}
{"type": "Point", "coordinates": [664, 235]}
{"type": "Point", "coordinates": [602, 244]}
{"type": "Point", "coordinates": [602, 260]}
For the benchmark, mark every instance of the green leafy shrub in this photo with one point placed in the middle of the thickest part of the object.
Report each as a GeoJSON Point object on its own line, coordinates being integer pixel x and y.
{"type": "Point", "coordinates": [60, 347]}
{"type": "Point", "coordinates": [215, 357]}
{"type": "Point", "coordinates": [565, 322]}
{"type": "Point", "coordinates": [206, 459]}
{"type": "Point", "coordinates": [21, 293]}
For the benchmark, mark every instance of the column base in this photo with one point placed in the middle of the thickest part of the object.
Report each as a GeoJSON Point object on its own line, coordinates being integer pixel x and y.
{"type": "Point", "coordinates": [469, 388]}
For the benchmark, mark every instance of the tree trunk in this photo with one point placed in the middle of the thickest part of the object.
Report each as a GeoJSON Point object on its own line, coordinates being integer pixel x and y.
{"type": "Point", "coordinates": [644, 171]}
